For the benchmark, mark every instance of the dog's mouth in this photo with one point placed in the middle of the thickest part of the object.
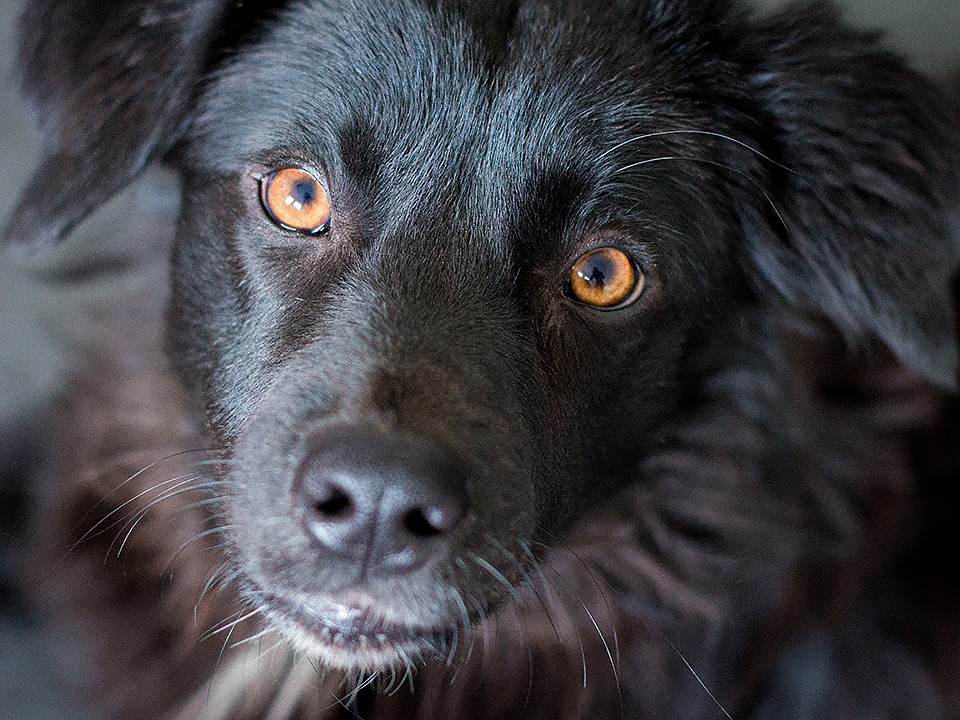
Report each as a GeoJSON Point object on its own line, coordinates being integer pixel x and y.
{"type": "Point", "coordinates": [351, 636]}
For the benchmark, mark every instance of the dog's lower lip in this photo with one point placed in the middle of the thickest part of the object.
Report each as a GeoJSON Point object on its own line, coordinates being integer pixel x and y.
{"type": "Point", "coordinates": [333, 623]}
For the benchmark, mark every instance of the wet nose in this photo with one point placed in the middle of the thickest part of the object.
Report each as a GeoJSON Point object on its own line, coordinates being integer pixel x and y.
{"type": "Point", "coordinates": [385, 503]}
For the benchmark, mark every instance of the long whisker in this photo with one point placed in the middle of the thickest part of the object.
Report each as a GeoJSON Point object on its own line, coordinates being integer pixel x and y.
{"type": "Point", "coordinates": [695, 675]}
{"type": "Point", "coordinates": [350, 699]}
{"type": "Point", "coordinates": [613, 664]}
{"type": "Point", "coordinates": [570, 620]}
{"type": "Point", "coordinates": [221, 574]}
{"type": "Point", "coordinates": [699, 132]}
{"type": "Point", "coordinates": [596, 581]}
{"type": "Point", "coordinates": [152, 465]}
{"type": "Point", "coordinates": [454, 643]}
{"type": "Point", "coordinates": [223, 623]}
{"type": "Point", "coordinates": [216, 665]}
{"type": "Point", "coordinates": [542, 580]}
{"type": "Point", "coordinates": [191, 541]}
{"type": "Point", "coordinates": [526, 701]}
{"type": "Point", "coordinates": [143, 512]}
{"type": "Point", "coordinates": [190, 484]}
{"type": "Point", "coordinates": [497, 575]}
{"type": "Point", "coordinates": [606, 646]}
{"type": "Point", "coordinates": [229, 624]}
{"type": "Point", "coordinates": [120, 507]}
{"type": "Point", "coordinates": [741, 173]}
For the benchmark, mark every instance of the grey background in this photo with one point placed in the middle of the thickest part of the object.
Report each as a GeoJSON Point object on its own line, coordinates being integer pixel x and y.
{"type": "Point", "coordinates": [41, 324]}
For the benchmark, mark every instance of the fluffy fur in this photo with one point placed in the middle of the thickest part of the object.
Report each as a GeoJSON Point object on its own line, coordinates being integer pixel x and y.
{"type": "Point", "coordinates": [700, 505]}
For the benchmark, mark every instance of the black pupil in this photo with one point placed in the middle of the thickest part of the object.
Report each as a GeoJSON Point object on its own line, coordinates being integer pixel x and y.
{"type": "Point", "coordinates": [303, 192]}
{"type": "Point", "coordinates": [597, 269]}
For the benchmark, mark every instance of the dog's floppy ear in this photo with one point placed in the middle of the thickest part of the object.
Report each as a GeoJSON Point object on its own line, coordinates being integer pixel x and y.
{"type": "Point", "coordinates": [865, 227]}
{"type": "Point", "coordinates": [111, 82]}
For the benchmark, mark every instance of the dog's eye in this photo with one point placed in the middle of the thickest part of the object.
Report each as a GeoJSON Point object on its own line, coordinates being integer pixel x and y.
{"type": "Point", "coordinates": [295, 200]}
{"type": "Point", "coordinates": [605, 278]}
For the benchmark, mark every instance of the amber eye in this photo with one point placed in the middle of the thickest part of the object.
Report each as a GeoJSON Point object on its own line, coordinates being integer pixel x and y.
{"type": "Point", "coordinates": [605, 278]}
{"type": "Point", "coordinates": [294, 199]}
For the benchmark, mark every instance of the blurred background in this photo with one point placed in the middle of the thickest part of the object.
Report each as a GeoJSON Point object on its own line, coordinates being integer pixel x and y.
{"type": "Point", "coordinates": [42, 318]}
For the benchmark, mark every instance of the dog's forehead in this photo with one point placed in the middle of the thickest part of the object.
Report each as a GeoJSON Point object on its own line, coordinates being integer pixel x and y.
{"type": "Point", "coordinates": [414, 101]}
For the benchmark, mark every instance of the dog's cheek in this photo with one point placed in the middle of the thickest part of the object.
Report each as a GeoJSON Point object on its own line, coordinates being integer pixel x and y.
{"type": "Point", "coordinates": [609, 380]}
{"type": "Point", "coordinates": [220, 320]}
{"type": "Point", "coordinates": [615, 381]}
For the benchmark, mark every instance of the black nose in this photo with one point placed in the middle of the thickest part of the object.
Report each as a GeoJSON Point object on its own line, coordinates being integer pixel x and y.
{"type": "Point", "coordinates": [384, 503]}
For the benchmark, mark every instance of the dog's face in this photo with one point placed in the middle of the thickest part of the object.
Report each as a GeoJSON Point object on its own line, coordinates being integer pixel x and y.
{"type": "Point", "coordinates": [438, 293]}
{"type": "Point", "coordinates": [442, 274]}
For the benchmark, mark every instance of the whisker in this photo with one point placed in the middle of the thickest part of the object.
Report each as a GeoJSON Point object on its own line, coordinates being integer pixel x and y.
{"type": "Point", "coordinates": [231, 624]}
{"type": "Point", "coordinates": [143, 512]}
{"type": "Point", "coordinates": [388, 687]}
{"type": "Point", "coordinates": [466, 660]}
{"type": "Point", "coordinates": [606, 646]}
{"type": "Point", "coordinates": [458, 598]}
{"type": "Point", "coordinates": [570, 621]}
{"type": "Point", "coordinates": [543, 601]}
{"type": "Point", "coordinates": [286, 698]}
{"type": "Point", "coordinates": [147, 468]}
{"type": "Point", "coordinates": [272, 652]}
{"type": "Point", "coordinates": [320, 672]}
{"type": "Point", "coordinates": [409, 671]}
{"type": "Point", "coordinates": [741, 173]}
{"type": "Point", "coordinates": [484, 625]}
{"type": "Point", "coordinates": [216, 665]}
{"type": "Point", "coordinates": [556, 590]}
{"type": "Point", "coordinates": [603, 595]}
{"type": "Point", "coordinates": [360, 684]}
{"type": "Point", "coordinates": [583, 659]}
{"type": "Point", "coordinates": [117, 509]}
{"type": "Point", "coordinates": [695, 675]}
{"type": "Point", "coordinates": [497, 575]}
{"type": "Point", "coordinates": [137, 513]}
{"type": "Point", "coordinates": [252, 638]}
{"type": "Point", "coordinates": [226, 621]}
{"type": "Point", "coordinates": [452, 651]}
{"type": "Point", "coordinates": [218, 574]}
{"type": "Point", "coordinates": [613, 665]}
{"type": "Point", "coordinates": [709, 133]}
{"type": "Point", "coordinates": [526, 702]}
{"type": "Point", "coordinates": [191, 541]}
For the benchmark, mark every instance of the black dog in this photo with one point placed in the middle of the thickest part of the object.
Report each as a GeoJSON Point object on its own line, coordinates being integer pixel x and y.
{"type": "Point", "coordinates": [520, 331]}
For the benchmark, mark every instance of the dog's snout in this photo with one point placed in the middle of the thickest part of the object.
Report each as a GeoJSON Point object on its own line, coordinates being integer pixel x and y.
{"type": "Point", "coordinates": [382, 503]}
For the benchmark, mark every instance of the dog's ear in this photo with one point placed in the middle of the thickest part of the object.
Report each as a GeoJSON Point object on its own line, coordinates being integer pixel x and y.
{"type": "Point", "coordinates": [867, 188]}
{"type": "Point", "coordinates": [111, 82]}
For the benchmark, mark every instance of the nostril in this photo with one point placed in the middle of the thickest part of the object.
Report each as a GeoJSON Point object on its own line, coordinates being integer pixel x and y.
{"type": "Point", "coordinates": [418, 524]}
{"type": "Point", "coordinates": [430, 521]}
{"type": "Point", "coordinates": [333, 503]}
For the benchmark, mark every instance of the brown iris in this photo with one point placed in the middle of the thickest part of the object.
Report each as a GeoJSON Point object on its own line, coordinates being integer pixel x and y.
{"type": "Point", "coordinates": [294, 199]}
{"type": "Point", "coordinates": [605, 278]}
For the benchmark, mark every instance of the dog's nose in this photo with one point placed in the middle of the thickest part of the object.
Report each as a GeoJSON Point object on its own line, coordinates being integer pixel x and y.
{"type": "Point", "coordinates": [384, 503]}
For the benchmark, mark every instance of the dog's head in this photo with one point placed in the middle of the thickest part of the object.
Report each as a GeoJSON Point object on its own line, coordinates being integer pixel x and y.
{"type": "Point", "coordinates": [443, 270]}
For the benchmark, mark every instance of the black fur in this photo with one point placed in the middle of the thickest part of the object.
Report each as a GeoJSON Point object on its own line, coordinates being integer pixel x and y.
{"type": "Point", "coordinates": [708, 476]}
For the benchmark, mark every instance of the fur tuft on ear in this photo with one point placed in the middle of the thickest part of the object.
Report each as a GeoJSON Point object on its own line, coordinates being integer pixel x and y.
{"type": "Point", "coordinates": [111, 83]}
{"type": "Point", "coordinates": [867, 190]}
